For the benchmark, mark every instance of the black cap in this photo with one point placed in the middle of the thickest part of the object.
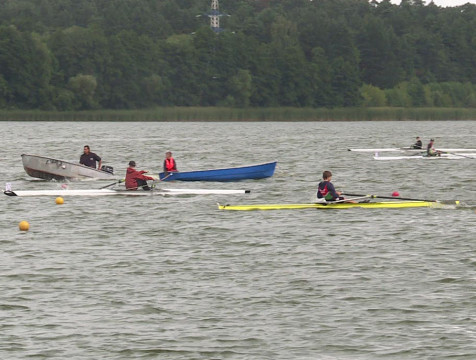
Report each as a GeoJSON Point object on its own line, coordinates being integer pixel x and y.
{"type": "Point", "coordinates": [132, 163]}
{"type": "Point", "coordinates": [432, 139]}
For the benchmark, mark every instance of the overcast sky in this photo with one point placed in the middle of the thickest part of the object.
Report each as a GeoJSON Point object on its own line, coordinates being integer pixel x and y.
{"type": "Point", "coordinates": [444, 2]}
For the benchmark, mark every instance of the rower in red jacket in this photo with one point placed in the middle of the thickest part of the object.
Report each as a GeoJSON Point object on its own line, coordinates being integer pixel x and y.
{"type": "Point", "coordinates": [136, 179]}
{"type": "Point", "coordinates": [169, 163]}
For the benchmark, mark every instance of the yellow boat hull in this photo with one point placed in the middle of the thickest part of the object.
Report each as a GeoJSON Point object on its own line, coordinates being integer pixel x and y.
{"type": "Point", "coordinates": [372, 205]}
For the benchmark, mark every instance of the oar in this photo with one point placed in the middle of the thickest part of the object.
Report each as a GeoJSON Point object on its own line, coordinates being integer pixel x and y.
{"type": "Point", "coordinates": [122, 180]}
{"type": "Point", "coordinates": [456, 154]}
{"type": "Point", "coordinates": [165, 177]}
{"type": "Point", "coordinates": [154, 181]}
{"type": "Point", "coordinates": [114, 183]}
{"type": "Point", "coordinates": [350, 200]}
{"type": "Point", "coordinates": [391, 197]}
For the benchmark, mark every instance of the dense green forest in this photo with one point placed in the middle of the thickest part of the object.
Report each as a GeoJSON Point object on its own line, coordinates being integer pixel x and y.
{"type": "Point", "coordinates": [132, 54]}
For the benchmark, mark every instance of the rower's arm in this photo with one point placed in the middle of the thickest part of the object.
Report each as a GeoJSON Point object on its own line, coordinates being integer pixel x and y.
{"type": "Point", "coordinates": [332, 190]}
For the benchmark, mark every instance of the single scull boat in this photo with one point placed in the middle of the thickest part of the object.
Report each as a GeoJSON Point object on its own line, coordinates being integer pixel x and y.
{"type": "Point", "coordinates": [109, 192]}
{"type": "Point", "coordinates": [328, 206]}
{"type": "Point", "coordinates": [456, 156]}
{"type": "Point", "coordinates": [408, 149]}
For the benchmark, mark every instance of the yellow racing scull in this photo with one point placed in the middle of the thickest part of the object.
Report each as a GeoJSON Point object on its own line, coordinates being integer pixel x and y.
{"type": "Point", "coordinates": [343, 205]}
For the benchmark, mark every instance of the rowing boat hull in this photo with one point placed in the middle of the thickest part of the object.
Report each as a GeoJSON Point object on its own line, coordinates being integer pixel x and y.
{"type": "Point", "coordinates": [407, 149]}
{"type": "Point", "coordinates": [112, 192]}
{"type": "Point", "coordinates": [53, 169]}
{"type": "Point", "coordinates": [375, 205]}
{"type": "Point", "coordinates": [259, 171]}
{"type": "Point", "coordinates": [459, 156]}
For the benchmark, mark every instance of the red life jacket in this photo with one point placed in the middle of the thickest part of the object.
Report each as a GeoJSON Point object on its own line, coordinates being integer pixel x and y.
{"type": "Point", "coordinates": [170, 164]}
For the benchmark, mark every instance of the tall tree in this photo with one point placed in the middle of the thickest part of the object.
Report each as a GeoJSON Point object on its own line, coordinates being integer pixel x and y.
{"type": "Point", "coordinates": [25, 69]}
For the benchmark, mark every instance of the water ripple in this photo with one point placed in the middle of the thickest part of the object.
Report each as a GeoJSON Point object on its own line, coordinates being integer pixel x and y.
{"type": "Point", "coordinates": [175, 278]}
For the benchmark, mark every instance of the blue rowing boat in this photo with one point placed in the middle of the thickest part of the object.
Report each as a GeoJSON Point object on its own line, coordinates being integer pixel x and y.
{"type": "Point", "coordinates": [259, 171]}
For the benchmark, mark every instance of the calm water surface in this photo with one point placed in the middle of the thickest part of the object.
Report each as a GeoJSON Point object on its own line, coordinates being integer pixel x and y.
{"type": "Point", "coordinates": [175, 278]}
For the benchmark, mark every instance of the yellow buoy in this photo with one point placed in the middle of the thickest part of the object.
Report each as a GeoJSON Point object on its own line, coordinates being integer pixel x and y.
{"type": "Point", "coordinates": [59, 200]}
{"type": "Point", "coordinates": [24, 226]}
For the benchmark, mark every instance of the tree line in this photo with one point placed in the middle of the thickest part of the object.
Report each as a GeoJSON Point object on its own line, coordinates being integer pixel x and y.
{"type": "Point", "coordinates": [131, 54]}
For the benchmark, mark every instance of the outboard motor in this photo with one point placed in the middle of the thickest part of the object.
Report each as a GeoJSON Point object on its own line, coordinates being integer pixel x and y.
{"type": "Point", "coordinates": [108, 169]}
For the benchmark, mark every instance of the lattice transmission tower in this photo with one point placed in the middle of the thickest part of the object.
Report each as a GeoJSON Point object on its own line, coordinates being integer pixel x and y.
{"type": "Point", "coordinates": [214, 14]}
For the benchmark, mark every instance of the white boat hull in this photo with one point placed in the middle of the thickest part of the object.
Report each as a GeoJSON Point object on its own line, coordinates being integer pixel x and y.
{"type": "Point", "coordinates": [403, 149]}
{"type": "Point", "coordinates": [54, 169]}
{"type": "Point", "coordinates": [459, 156]}
{"type": "Point", "coordinates": [112, 192]}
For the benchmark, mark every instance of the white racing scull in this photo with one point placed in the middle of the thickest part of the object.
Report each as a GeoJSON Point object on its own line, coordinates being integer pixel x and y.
{"type": "Point", "coordinates": [408, 149]}
{"type": "Point", "coordinates": [455, 156]}
{"type": "Point", "coordinates": [112, 192]}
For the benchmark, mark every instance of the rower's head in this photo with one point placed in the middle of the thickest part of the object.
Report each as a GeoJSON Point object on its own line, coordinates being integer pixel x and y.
{"type": "Point", "coordinates": [168, 154]}
{"type": "Point", "coordinates": [326, 175]}
{"type": "Point", "coordinates": [86, 149]}
{"type": "Point", "coordinates": [418, 138]}
{"type": "Point", "coordinates": [432, 141]}
{"type": "Point", "coordinates": [132, 163]}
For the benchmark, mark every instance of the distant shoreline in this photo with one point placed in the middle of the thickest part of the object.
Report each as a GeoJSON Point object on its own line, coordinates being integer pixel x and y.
{"type": "Point", "coordinates": [176, 114]}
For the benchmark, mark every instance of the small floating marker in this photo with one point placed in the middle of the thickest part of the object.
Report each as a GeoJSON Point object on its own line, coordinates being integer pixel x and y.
{"type": "Point", "coordinates": [59, 200]}
{"type": "Point", "coordinates": [64, 186]}
{"type": "Point", "coordinates": [395, 194]}
{"type": "Point", "coordinates": [24, 226]}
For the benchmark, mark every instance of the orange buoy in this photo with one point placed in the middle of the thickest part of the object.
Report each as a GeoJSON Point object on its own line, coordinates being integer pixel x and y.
{"type": "Point", "coordinates": [24, 226]}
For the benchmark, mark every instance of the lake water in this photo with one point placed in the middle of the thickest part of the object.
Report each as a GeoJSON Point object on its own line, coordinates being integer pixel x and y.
{"type": "Point", "coordinates": [175, 278]}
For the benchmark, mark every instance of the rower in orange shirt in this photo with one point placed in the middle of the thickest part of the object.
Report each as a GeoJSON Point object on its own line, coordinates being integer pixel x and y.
{"type": "Point", "coordinates": [169, 163]}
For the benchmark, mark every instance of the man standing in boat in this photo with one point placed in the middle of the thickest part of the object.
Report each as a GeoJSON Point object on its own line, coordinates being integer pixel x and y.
{"type": "Point", "coordinates": [136, 179]}
{"type": "Point", "coordinates": [89, 158]}
{"type": "Point", "coordinates": [418, 144]}
{"type": "Point", "coordinates": [430, 150]}
{"type": "Point", "coordinates": [169, 163]}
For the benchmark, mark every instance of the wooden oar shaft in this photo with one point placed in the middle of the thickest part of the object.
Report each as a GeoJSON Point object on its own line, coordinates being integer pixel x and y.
{"type": "Point", "coordinates": [391, 197]}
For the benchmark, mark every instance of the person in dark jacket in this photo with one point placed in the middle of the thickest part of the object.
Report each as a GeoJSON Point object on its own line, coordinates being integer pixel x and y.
{"type": "Point", "coordinates": [135, 178]}
{"type": "Point", "coordinates": [418, 144]}
{"type": "Point", "coordinates": [326, 190]}
{"type": "Point", "coordinates": [89, 158]}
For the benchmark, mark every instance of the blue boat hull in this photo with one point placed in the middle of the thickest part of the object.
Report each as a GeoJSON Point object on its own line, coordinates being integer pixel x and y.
{"type": "Point", "coordinates": [260, 171]}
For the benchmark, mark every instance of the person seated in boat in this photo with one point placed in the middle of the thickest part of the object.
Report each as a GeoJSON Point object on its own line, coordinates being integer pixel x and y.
{"type": "Point", "coordinates": [418, 144]}
{"type": "Point", "coordinates": [89, 158]}
{"type": "Point", "coordinates": [136, 179]}
{"type": "Point", "coordinates": [430, 150]}
{"type": "Point", "coordinates": [326, 189]}
{"type": "Point", "coordinates": [169, 163]}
